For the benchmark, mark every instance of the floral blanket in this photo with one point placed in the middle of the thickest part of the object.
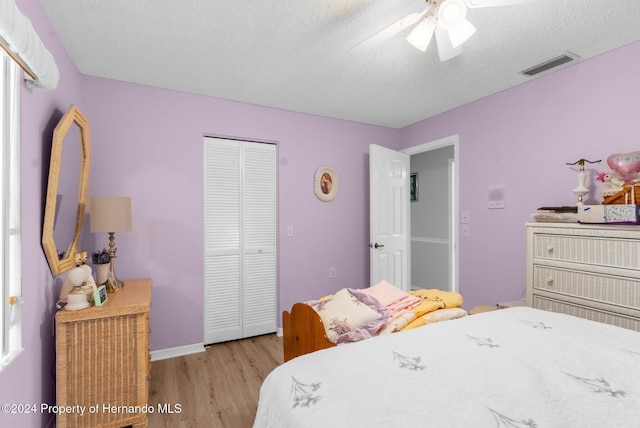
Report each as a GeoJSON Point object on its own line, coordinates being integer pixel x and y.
{"type": "Point", "coordinates": [517, 367]}
{"type": "Point", "coordinates": [352, 315]}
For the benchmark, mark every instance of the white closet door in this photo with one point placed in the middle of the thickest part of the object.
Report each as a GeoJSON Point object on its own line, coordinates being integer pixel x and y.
{"type": "Point", "coordinates": [259, 227]}
{"type": "Point", "coordinates": [240, 239]}
{"type": "Point", "coordinates": [223, 262]}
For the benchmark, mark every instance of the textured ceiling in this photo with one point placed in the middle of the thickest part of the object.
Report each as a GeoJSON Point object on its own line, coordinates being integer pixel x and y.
{"type": "Point", "coordinates": [297, 55]}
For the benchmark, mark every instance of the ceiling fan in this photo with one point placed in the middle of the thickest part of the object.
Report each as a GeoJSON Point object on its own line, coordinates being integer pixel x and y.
{"type": "Point", "coordinates": [444, 18]}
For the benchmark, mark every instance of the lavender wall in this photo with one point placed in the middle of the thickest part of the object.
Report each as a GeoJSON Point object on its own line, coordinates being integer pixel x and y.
{"type": "Point", "coordinates": [30, 378]}
{"type": "Point", "coordinates": [148, 143]}
{"type": "Point", "coordinates": [522, 138]}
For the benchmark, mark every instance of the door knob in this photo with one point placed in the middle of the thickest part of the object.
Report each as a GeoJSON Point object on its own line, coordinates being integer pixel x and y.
{"type": "Point", "coordinates": [376, 245]}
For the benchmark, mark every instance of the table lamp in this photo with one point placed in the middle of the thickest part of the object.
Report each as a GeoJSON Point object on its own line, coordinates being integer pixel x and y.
{"type": "Point", "coordinates": [110, 214]}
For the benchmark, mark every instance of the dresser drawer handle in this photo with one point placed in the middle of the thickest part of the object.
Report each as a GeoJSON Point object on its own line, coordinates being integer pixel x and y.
{"type": "Point", "coordinates": [550, 249]}
{"type": "Point", "coordinates": [550, 282]}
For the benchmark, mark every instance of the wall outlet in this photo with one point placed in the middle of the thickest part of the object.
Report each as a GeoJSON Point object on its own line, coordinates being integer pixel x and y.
{"type": "Point", "coordinates": [332, 272]}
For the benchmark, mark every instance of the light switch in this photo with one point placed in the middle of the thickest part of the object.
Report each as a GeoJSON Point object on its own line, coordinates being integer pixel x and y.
{"type": "Point", "coordinates": [466, 218]}
{"type": "Point", "coordinates": [289, 231]}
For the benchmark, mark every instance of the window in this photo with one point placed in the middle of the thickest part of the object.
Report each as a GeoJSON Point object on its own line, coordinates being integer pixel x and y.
{"type": "Point", "coordinates": [10, 275]}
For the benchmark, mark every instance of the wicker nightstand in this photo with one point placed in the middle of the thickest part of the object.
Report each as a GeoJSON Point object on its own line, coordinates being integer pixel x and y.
{"type": "Point", "coordinates": [102, 359]}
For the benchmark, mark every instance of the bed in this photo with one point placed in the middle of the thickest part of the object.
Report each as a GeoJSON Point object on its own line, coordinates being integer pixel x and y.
{"type": "Point", "coordinates": [354, 315]}
{"type": "Point", "coordinates": [516, 367]}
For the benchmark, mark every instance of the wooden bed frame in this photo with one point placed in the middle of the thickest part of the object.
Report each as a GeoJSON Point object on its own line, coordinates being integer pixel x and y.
{"type": "Point", "coordinates": [303, 332]}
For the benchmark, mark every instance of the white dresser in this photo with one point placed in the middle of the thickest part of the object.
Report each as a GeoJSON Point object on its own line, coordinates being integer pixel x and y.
{"type": "Point", "coordinates": [590, 271]}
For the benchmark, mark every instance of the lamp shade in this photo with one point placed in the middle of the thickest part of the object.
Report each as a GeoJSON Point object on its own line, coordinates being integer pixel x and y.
{"type": "Point", "coordinates": [421, 36]}
{"type": "Point", "coordinates": [446, 51]}
{"type": "Point", "coordinates": [110, 213]}
{"type": "Point", "coordinates": [461, 33]}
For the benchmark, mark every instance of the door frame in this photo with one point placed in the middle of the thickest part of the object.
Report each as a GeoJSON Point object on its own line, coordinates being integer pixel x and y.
{"type": "Point", "coordinates": [452, 140]}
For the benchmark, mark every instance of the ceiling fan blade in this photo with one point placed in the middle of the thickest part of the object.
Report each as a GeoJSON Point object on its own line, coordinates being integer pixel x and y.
{"type": "Point", "coordinates": [493, 3]}
{"type": "Point", "coordinates": [391, 30]}
{"type": "Point", "coordinates": [446, 51]}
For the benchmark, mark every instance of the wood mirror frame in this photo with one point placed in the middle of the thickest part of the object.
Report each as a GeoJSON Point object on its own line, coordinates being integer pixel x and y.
{"type": "Point", "coordinates": [61, 261]}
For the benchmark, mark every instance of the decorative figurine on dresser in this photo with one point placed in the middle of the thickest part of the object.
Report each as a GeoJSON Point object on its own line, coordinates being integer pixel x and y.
{"type": "Point", "coordinates": [581, 189]}
{"type": "Point", "coordinates": [102, 339]}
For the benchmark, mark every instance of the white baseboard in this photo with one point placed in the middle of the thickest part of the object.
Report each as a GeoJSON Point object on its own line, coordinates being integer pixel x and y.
{"type": "Point", "coordinates": [178, 351]}
{"type": "Point", "coordinates": [279, 331]}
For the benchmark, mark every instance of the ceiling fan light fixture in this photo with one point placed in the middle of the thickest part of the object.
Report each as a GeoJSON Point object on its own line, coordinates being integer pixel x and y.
{"type": "Point", "coordinates": [451, 14]}
{"type": "Point", "coordinates": [420, 37]}
{"type": "Point", "coordinates": [446, 50]}
{"type": "Point", "coordinates": [461, 33]}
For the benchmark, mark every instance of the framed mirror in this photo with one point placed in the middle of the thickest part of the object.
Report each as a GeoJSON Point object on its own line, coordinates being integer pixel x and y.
{"type": "Point", "coordinates": [67, 190]}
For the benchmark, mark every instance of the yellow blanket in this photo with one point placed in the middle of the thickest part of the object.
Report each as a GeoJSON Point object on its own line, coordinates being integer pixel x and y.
{"type": "Point", "coordinates": [432, 300]}
{"type": "Point", "coordinates": [446, 299]}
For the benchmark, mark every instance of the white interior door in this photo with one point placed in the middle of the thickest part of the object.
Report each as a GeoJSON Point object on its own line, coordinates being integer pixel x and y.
{"type": "Point", "coordinates": [389, 217]}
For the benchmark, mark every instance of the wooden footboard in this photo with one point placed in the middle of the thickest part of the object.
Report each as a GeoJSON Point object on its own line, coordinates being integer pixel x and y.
{"type": "Point", "coordinates": [303, 331]}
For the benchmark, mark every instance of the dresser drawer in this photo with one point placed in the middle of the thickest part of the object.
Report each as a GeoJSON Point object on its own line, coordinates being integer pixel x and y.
{"type": "Point", "coordinates": [615, 290]}
{"type": "Point", "coordinates": [601, 251]}
{"type": "Point", "coordinates": [588, 313]}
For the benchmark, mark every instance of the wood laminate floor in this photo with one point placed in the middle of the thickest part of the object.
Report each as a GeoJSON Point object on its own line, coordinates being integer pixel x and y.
{"type": "Point", "coordinates": [215, 388]}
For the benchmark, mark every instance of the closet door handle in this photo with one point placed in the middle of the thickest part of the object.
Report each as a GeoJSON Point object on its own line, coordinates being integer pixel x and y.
{"type": "Point", "coordinates": [376, 245]}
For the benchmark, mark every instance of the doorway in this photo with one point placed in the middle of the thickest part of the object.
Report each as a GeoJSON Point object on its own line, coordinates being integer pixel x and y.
{"type": "Point", "coordinates": [434, 214]}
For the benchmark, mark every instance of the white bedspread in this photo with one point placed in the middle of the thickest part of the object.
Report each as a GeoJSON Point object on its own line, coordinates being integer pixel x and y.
{"type": "Point", "coordinates": [517, 367]}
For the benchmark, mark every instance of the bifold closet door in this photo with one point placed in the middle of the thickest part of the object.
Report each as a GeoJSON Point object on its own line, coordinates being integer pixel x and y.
{"type": "Point", "coordinates": [240, 239]}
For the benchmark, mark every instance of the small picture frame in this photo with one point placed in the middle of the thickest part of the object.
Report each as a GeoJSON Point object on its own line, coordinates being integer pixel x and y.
{"type": "Point", "coordinates": [413, 186]}
{"type": "Point", "coordinates": [100, 295]}
{"type": "Point", "coordinates": [112, 283]}
{"type": "Point", "coordinates": [326, 183]}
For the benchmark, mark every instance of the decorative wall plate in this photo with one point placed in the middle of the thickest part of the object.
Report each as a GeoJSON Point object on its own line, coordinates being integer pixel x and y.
{"type": "Point", "coordinates": [326, 183]}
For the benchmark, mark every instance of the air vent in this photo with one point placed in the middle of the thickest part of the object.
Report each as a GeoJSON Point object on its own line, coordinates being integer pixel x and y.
{"type": "Point", "coordinates": [550, 64]}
